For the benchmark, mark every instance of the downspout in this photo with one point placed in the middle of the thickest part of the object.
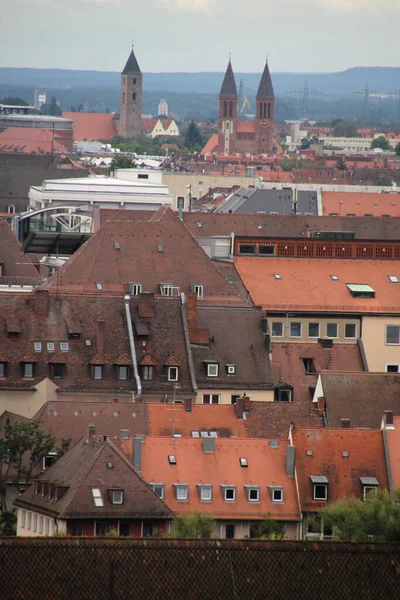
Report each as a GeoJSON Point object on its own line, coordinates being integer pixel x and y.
{"type": "Point", "coordinates": [132, 346]}
{"type": "Point", "coordinates": [187, 343]}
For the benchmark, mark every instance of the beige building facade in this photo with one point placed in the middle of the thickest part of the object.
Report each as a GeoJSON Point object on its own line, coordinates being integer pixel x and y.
{"type": "Point", "coordinates": [310, 328]}
{"type": "Point", "coordinates": [381, 341]}
{"type": "Point", "coordinates": [218, 396]}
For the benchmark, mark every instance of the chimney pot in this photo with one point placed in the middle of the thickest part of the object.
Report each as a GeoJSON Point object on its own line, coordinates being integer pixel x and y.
{"type": "Point", "coordinates": [345, 423]}
{"type": "Point", "coordinates": [389, 417]}
{"type": "Point", "coordinates": [239, 408]}
{"type": "Point", "coordinates": [321, 406]}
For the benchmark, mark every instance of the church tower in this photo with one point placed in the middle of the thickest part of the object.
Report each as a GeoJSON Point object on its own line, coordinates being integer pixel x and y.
{"type": "Point", "coordinates": [130, 112]}
{"type": "Point", "coordinates": [265, 103]}
{"type": "Point", "coordinates": [228, 111]}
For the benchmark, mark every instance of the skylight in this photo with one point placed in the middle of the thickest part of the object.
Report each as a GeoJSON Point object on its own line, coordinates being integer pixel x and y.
{"type": "Point", "coordinates": [99, 286]}
{"type": "Point", "coordinates": [361, 290]}
{"type": "Point", "coordinates": [277, 276]}
{"type": "Point", "coordinates": [393, 278]}
{"type": "Point", "coordinates": [97, 497]}
{"type": "Point", "coordinates": [243, 462]}
{"type": "Point", "coordinates": [335, 277]}
{"type": "Point", "coordinates": [172, 459]}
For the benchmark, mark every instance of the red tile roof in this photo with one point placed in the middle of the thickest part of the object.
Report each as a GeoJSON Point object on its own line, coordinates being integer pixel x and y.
{"type": "Point", "coordinates": [92, 126]}
{"type": "Point", "coordinates": [18, 268]}
{"type": "Point", "coordinates": [360, 204]}
{"type": "Point", "coordinates": [306, 284]}
{"type": "Point", "coordinates": [366, 458]}
{"type": "Point", "coordinates": [31, 141]}
{"type": "Point", "coordinates": [211, 145]}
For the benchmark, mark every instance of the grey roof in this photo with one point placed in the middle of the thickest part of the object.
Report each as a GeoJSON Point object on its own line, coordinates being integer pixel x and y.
{"type": "Point", "coordinates": [265, 89]}
{"type": "Point", "coordinates": [131, 64]}
{"type": "Point", "coordinates": [228, 88]}
{"type": "Point", "coordinates": [369, 481]}
{"type": "Point", "coordinates": [267, 201]}
{"type": "Point", "coordinates": [319, 479]}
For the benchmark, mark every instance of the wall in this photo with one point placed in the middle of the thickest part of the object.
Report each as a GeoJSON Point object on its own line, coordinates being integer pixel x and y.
{"type": "Point", "coordinates": [225, 395]}
{"type": "Point", "coordinates": [323, 321]}
{"type": "Point", "coordinates": [27, 403]}
{"type": "Point", "coordinates": [377, 352]}
{"type": "Point", "coordinates": [34, 524]}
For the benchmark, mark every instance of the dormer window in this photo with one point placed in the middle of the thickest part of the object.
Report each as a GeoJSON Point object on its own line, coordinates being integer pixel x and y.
{"type": "Point", "coordinates": [252, 493]}
{"type": "Point", "coordinates": [181, 492]}
{"type": "Point", "coordinates": [28, 370]}
{"type": "Point", "coordinates": [212, 370]}
{"type": "Point", "coordinates": [148, 372]}
{"type": "Point", "coordinates": [231, 369]}
{"type": "Point", "coordinates": [319, 488]}
{"type": "Point", "coordinates": [167, 289]}
{"type": "Point", "coordinates": [276, 493]}
{"type": "Point", "coordinates": [229, 493]}
{"type": "Point", "coordinates": [97, 372]}
{"type": "Point", "coordinates": [135, 288]}
{"type": "Point", "coordinates": [198, 289]}
{"type": "Point", "coordinates": [57, 370]}
{"type": "Point", "coordinates": [369, 487]}
{"type": "Point", "coordinates": [117, 496]}
{"type": "Point", "coordinates": [122, 372]}
{"type": "Point", "coordinates": [173, 373]}
{"type": "Point", "coordinates": [205, 492]}
{"type": "Point", "coordinates": [361, 290]}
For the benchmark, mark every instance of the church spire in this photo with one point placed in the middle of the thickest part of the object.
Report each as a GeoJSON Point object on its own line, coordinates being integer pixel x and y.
{"type": "Point", "coordinates": [131, 64]}
{"type": "Point", "coordinates": [228, 88]}
{"type": "Point", "coordinates": [265, 89]}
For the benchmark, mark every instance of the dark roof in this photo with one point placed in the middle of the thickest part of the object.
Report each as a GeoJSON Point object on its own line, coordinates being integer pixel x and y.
{"type": "Point", "coordinates": [18, 268]}
{"type": "Point", "coordinates": [95, 463]}
{"type": "Point", "coordinates": [265, 89]}
{"type": "Point", "coordinates": [288, 226]}
{"type": "Point", "coordinates": [273, 419]}
{"type": "Point", "coordinates": [360, 397]}
{"type": "Point", "coordinates": [228, 88]}
{"type": "Point", "coordinates": [250, 201]}
{"type": "Point", "coordinates": [236, 338]}
{"type": "Point", "coordinates": [131, 65]}
{"type": "Point", "coordinates": [366, 458]}
{"type": "Point", "coordinates": [288, 367]}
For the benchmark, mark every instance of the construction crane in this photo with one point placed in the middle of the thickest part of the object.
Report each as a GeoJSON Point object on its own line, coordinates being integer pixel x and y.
{"type": "Point", "coordinates": [243, 99]}
{"type": "Point", "coordinates": [305, 91]}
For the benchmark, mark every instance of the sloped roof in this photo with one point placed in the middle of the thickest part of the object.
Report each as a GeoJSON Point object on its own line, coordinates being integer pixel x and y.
{"type": "Point", "coordinates": [360, 204]}
{"type": "Point", "coordinates": [31, 141]}
{"type": "Point", "coordinates": [228, 88]}
{"type": "Point", "coordinates": [360, 397]}
{"type": "Point", "coordinates": [266, 466]}
{"type": "Point", "coordinates": [131, 65]}
{"type": "Point", "coordinates": [85, 466]}
{"type": "Point", "coordinates": [265, 89]}
{"type": "Point", "coordinates": [273, 419]}
{"type": "Point", "coordinates": [164, 420]}
{"type": "Point", "coordinates": [18, 267]}
{"type": "Point", "coordinates": [92, 126]}
{"type": "Point", "coordinates": [210, 145]}
{"type": "Point", "coordinates": [366, 458]}
{"type": "Point", "coordinates": [306, 284]}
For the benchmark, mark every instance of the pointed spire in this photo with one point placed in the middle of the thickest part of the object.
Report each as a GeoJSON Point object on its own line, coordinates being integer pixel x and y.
{"type": "Point", "coordinates": [131, 64]}
{"type": "Point", "coordinates": [228, 88]}
{"type": "Point", "coordinates": [265, 89]}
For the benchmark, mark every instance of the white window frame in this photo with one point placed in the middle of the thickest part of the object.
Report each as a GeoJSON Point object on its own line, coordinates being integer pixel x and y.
{"type": "Point", "coordinates": [35, 519]}
{"type": "Point", "coordinates": [332, 337]}
{"type": "Point", "coordinates": [167, 289]}
{"type": "Point", "coordinates": [272, 329]}
{"type": "Point", "coordinates": [350, 337]}
{"type": "Point", "coordinates": [229, 488]}
{"type": "Point", "coordinates": [161, 487]}
{"type": "Point", "coordinates": [117, 494]}
{"type": "Point", "coordinates": [212, 370]}
{"type": "Point", "coordinates": [313, 337]}
{"type": "Point", "coordinates": [231, 369]}
{"type": "Point", "coordinates": [211, 396]}
{"type": "Point", "coordinates": [47, 526]}
{"type": "Point", "coordinates": [199, 291]}
{"type": "Point", "coordinates": [290, 392]}
{"type": "Point", "coordinates": [205, 493]}
{"type": "Point", "coordinates": [40, 524]}
{"type": "Point", "coordinates": [51, 347]}
{"type": "Point", "coordinates": [97, 497]}
{"type": "Point", "coordinates": [135, 288]}
{"type": "Point", "coordinates": [324, 485]}
{"type": "Point", "coordinates": [277, 500]}
{"type": "Point", "coordinates": [392, 365]}
{"type": "Point", "coordinates": [37, 346]}
{"type": "Point", "coordinates": [398, 336]}
{"type": "Point", "coordinates": [64, 346]}
{"type": "Point", "coordinates": [170, 378]}
{"type": "Point", "coordinates": [301, 329]}
{"type": "Point", "coordinates": [181, 492]}
{"type": "Point", "coordinates": [249, 492]}
{"type": "Point", "coordinates": [367, 489]}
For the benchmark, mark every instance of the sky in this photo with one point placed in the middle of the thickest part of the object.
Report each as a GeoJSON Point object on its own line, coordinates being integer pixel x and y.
{"type": "Point", "coordinates": [198, 35]}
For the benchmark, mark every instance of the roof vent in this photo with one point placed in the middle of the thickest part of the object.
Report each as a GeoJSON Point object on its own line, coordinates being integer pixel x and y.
{"type": "Point", "coordinates": [88, 343]}
{"type": "Point", "coordinates": [160, 248]}
{"type": "Point", "coordinates": [345, 454]}
{"type": "Point", "coordinates": [117, 246]}
{"type": "Point", "coordinates": [309, 452]}
{"type": "Point", "coordinates": [274, 444]}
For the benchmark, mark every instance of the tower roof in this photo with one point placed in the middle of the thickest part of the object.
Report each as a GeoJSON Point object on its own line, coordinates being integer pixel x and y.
{"type": "Point", "coordinates": [131, 64]}
{"type": "Point", "coordinates": [265, 89]}
{"type": "Point", "coordinates": [228, 88]}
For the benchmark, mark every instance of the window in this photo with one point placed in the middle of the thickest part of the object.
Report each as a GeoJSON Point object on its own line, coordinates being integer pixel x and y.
{"type": "Point", "coordinates": [313, 330]}
{"type": "Point", "coordinates": [277, 494]}
{"type": "Point", "coordinates": [97, 372]}
{"type": "Point", "coordinates": [332, 330]}
{"type": "Point", "coordinates": [77, 529]}
{"type": "Point", "coordinates": [392, 368]}
{"type": "Point", "coordinates": [350, 330]}
{"type": "Point", "coordinates": [362, 290]}
{"type": "Point", "coordinates": [23, 517]}
{"type": "Point", "coordinates": [393, 278]}
{"type": "Point", "coordinates": [230, 532]}
{"type": "Point", "coordinates": [235, 398]}
{"type": "Point", "coordinates": [266, 250]}
{"type": "Point", "coordinates": [124, 528]}
{"type": "Point", "coordinates": [64, 346]}
{"type": "Point", "coordinates": [148, 529]}
{"type": "Point", "coordinates": [205, 493]}
{"type": "Point", "coordinates": [243, 462]}
{"type": "Point", "coordinates": [284, 395]}
{"type": "Point", "coordinates": [122, 373]}
{"type": "Point", "coordinates": [117, 497]}
{"type": "Point", "coordinates": [295, 329]}
{"type": "Point", "coordinates": [252, 493]}
{"type": "Point", "coordinates": [158, 489]}
{"type": "Point", "coordinates": [143, 176]}
{"type": "Point", "coordinates": [37, 346]}
{"type": "Point", "coordinates": [173, 373]}
{"type": "Point", "coordinates": [180, 202]}
{"type": "Point", "coordinates": [40, 524]}
{"type": "Point", "coordinates": [212, 370]}
{"type": "Point", "coordinates": [134, 96]}
{"type": "Point", "coordinates": [2, 370]}
{"type": "Point", "coordinates": [124, 434]}
{"type": "Point", "coordinates": [211, 398]}
{"type": "Point", "coordinates": [369, 491]}
{"type": "Point", "coordinates": [28, 370]}
{"type": "Point", "coordinates": [35, 522]}
{"type": "Point", "coordinates": [247, 249]}
{"type": "Point", "coordinates": [148, 373]}
{"type": "Point", "coordinates": [29, 521]}
{"type": "Point", "coordinates": [277, 329]}
{"type": "Point", "coordinates": [277, 276]}
{"type": "Point", "coordinates": [47, 532]}
{"type": "Point", "coordinates": [57, 371]}
{"type": "Point", "coordinates": [334, 277]}
{"type": "Point", "coordinates": [167, 289]}
{"type": "Point", "coordinates": [198, 289]}
{"type": "Point", "coordinates": [231, 369]}
{"type": "Point", "coordinates": [309, 366]}
{"type": "Point", "coordinates": [320, 487]}
{"type": "Point", "coordinates": [97, 497]}
{"type": "Point", "coordinates": [181, 492]}
{"type": "Point", "coordinates": [100, 528]}
{"type": "Point", "coordinates": [135, 288]}
{"type": "Point", "coordinates": [99, 286]}
{"type": "Point", "coordinates": [229, 493]}
{"type": "Point", "coordinates": [172, 459]}
{"type": "Point", "coordinates": [393, 334]}
{"type": "Point", "coordinates": [51, 347]}
{"type": "Point", "coordinates": [48, 460]}
{"type": "Point", "coordinates": [11, 209]}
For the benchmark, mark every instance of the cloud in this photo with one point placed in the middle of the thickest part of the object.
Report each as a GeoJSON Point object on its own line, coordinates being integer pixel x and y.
{"type": "Point", "coordinates": [189, 5]}
{"type": "Point", "coordinates": [370, 6]}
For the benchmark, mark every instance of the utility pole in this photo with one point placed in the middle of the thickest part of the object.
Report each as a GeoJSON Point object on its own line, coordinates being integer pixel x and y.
{"type": "Point", "coordinates": [366, 92]}
{"type": "Point", "coordinates": [305, 92]}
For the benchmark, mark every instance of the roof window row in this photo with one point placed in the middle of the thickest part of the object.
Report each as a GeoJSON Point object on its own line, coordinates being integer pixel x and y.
{"type": "Point", "coordinates": [295, 330]}
{"type": "Point", "coordinates": [205, 492]}
{"type": "Point", "coordinates": [320, 487]}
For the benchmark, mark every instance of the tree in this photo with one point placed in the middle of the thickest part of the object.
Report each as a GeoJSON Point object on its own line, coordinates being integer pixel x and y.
{"type": "Point", "coordinates": [14, 101]}
{"type": "Point", "coordinates": [397, 149]}
{"type": "Point", "coordinates": [193, 526]}
{"type": "Point", "coordinates": [377, 519]}
{"type": "Point", "coordinates": [54, 109]}
{"type": "Point", "coordinates": [380, 142]}
{"type": "Point", "coordinates": [305, 144]}
{"type": "Point", "coordinates": [343, 129]}
{"type": "Point", "coordinates": [193, 137]}
{"type": "Point", "coordinates": [121, 162]}
{"type": "Point", "coordinates": [268, 529]}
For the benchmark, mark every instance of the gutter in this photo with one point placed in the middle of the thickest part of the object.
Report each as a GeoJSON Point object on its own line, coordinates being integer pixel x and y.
{"type": "Point", "coordinates": [132, 346]}
{"type": "Point", "coordinates": [388, 467]}
{"type": "Point", "coordinates": [187, 343]}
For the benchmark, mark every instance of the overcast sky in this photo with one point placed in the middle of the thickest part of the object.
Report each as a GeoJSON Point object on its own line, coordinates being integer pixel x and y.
{"type": "Point", "coordinates": [198, 35]}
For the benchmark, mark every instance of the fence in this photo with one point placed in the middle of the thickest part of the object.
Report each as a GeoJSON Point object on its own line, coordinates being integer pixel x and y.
{"type": "Point", "coordinates": [121, 569]}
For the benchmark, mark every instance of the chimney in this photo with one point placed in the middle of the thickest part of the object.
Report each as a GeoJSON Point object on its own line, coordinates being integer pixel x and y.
{"type": "Point", "coordinates": [345, 423]}
{"type": "Point", "coordinates": [208, 445]}
{"type": "Point", "coordinates": [91, 431]}
{"type": "Point", "coordinates": [191, 314]}
{"type": "Point", "coordinates": [239, 406]}
{"type": "Point", "coordinates": [246, 402]}
{"type": "Point", "coordinates": [100, 335]}
{"type": "Point", "coordinates": [290, 450]}
{"type": "Point", "coordinates": [389, 418]}
{"type": "Point", "coordinates": [321, 406]}
{"type": "Point", "coordinates": [137, 452]}
{"type": "Point", "coordinates": [146, 306]}
{"type": "Point", "coordinates": [188, 405]}
{"type": "Point", "coordinates": [41, 302]}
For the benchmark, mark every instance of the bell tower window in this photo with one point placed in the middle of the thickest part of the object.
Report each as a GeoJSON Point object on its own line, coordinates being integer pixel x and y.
{"type": "Point", "coordinates": [225, 109]}
{"type": "Point", "coordinates": [134, 81]}
{"type": "Point", "coordinates": [269, 110]}
{"type": "Point", "coordinates": [134, 96]}
{"type": "Point", "coordinates": [230, 108]}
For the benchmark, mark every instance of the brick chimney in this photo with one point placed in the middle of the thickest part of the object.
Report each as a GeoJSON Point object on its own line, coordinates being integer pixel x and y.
{"type": "Point", "coordinates": [345, 423]}
{"type": "Point", "coordinates": [196, 336]}
{"type": "Point", "coordinates": [246, 402]}
{"type": "Point", "coordinates": [101, 326]}
{"type": "Point", "coordinates": [188, 405]}
{"type": "Point", "coordinates": [321, 406]}
{"type": "Point", "coordinates": [146, 306]}
{"type": "Point", "coordinates": [41, 302]}
{"type": "Point", "coordinates": [239, 406]}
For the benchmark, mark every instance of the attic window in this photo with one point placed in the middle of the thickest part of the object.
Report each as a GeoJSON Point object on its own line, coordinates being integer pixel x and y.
{"type": "Point", "coordinates": [97, 497]}
{"type": "Point", "coordinates": [393, 278]}
{"type": "Point", "coordinates": [253, 493]}
{"type": "Point", "coordinates": [277, 276]}
{"type": "Point", "coordinates": [276, 493]}
{"type": "Point", "coordinates": [181, 492]}
{"type": "Point", "coordinates": [160, 248]}
{"type": "Point", "coordinates": [158, 489]}
{"type": "Point", "coordinates": [64, 346]}
{"type": "Point", "coordinates": [198, 289]}
{"type": "Point", "coordinates": [231, 369]}
{"type": "Point", "coordinates": [205, 492]}
{"type": "Point", "coordinates": [247, 249]}
{"type": "Point", "coordinates": [212, 370]}
{"type": "Point", "coordinates": [118, 497]}
{"type": "Point", "coordinates": [173, 373]}
{"type": "Point", "coordinates": [167, 289]}
{"type": "Point", "coordinates": [172, 459]}
{"type": "Point", "coordinates": [243, 462]}
{"type": "Point", "coordinates": [51, 347]}
{"type": "Point", "coordinates": [28, 370]}
{"type": "Point", "coordinates": [309, 366]}
{"type": "Point", "coordinates": [229, 493]}
{"type": "Point", "coordinates": [99, 286]}
{"type": "Point", "coordinates": [37, 346]}
{"type": "Point", "coordinates": [124, 434]}
{"type": "Point", "coordinates": [117, 246]}
{"type": "Point", "coordinates": [361, 290]}
{"type": "Point", "coordinates": [134, 288]}
{"type": "Point", "coordinates": [334, 277]}
{"type": "Point", "coordinates": [320, 487]}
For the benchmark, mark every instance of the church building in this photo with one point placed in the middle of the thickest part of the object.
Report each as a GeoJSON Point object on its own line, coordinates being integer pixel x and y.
{"type": "Point", "coordinates": [245, 137]}
{"type": "Point", "coordinates": [129, 124]}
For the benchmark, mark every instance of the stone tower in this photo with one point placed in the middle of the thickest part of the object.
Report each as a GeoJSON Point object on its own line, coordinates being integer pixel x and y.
{"type": "Point", "coordinates": [228, 111]}
{"type": "Point", "coordinates": [265, 103]}
{"type": "Point", "coordinates": [130, 113]}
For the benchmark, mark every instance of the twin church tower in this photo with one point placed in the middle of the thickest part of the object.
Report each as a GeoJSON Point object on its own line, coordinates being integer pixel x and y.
{"type": "Point", "coordinates": [234, 136]}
